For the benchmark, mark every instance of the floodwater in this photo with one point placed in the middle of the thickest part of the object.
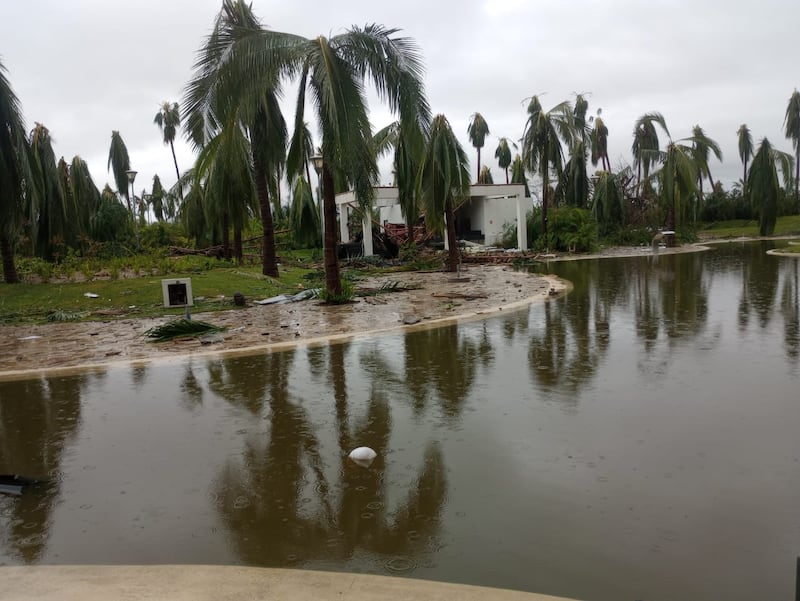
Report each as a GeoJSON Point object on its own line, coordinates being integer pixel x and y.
{"type": "Point", "coordinates": [637, 438]}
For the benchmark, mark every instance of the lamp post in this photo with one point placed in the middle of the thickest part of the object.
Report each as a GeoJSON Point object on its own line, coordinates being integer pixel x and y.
{"type": "Point", "coordinates": [317, 161]}
{"type": "Point", "coordinates": [132, 202]}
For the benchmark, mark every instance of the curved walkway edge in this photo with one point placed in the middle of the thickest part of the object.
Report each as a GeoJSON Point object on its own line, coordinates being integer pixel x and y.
{"type": "Point", "coordinates": [232, 583]}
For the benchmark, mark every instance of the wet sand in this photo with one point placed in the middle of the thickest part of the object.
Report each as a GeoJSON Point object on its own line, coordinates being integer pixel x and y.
{"type": "Point", "coordinates": [478, 291]}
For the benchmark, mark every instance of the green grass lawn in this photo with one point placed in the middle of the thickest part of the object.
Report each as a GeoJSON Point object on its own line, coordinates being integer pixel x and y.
{"type": "Point", "coordinates": [788, 225]}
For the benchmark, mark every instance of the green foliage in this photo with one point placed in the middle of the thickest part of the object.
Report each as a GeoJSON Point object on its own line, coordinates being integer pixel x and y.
{"type": "Point", "coordinates": [572, 229]}
{"type": "Point", "coordinates": [157, 236]}
{"type": "Point", "coordinates": [111, 223]}
{"type": "Point", "coordinates": [628, 236]}
{"type": "Point", "coordinates": [726, 206]}
{"type": "Point", "coordinates": [180, 328]}
{"type": "Point", "coordinates": [346, 296]}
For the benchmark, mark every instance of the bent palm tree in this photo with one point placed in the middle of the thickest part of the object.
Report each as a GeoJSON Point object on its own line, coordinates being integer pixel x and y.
{"type": "Point", "coordinates": [407, 158]}
{"type": "Point", "coordinates": [120, 164]}
{"type": "Point", "coordinates": [503, 155]}
{"type": "Point", "coordinates": [541, 145]}
{"type": "Point", "coordinates": [444, 181]}
{"type": "Point", "coordinates": [54, 215]}
{"type": "Point", "coordinates": [168, 119]}
{"type": "Point", "coordinates": [14, 169]}
{"type": "Point", "coordinates": [745, 148]}
{"type": "Point", "coordinates": [763, 185]}
{"type": "Point", "coordinates": [332, 71]}
{"type": "Point", "coordinates": [764, 188]}
{"type": "Point", "coordinates": [645, 145]}
{"type": "Point", "coordinates": [599, 139]}
{"type": "Point", "coordinates": [702, 145]}
{"type": "Point", "coordinates": [792, 124]}
{"type": "Point", "coordinates": [226, 86]}
{"type": "Point", "coordinates": [477, 131]}
{"type": "Point", "coordinates": [677, 178]}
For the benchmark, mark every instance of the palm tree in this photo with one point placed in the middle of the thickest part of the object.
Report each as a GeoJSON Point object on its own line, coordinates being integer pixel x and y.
{"type": "Point", "coordinates": [407, 158]}
{"type": "Point", "coordinates": [241, 62]}
{"type": "Point", "coordinates": [677, 179]}
{"type": "Point", "coordinates": [701, 146]}
{"type": "Point", "coordinates": [599, 140]}
{"type": "Point", "coordinates": [224, 169]}
{"type": "Point", "coordinates": [518, 174]}
{"type": "Point", "coordinates": [745, 148]}
{"type": "Point", "coordinates": [792, 124]}
{"type": "Point", "coordinates": [608, 202]}
{"type": "Point", "coordinates": [157, 197]}
{"type": "Point", "coordinates": [14, 169]}
{"type": "Point", "coordinates": [50, 202]}
{"type": "Point", "coordinates": [120, 164]}
{"type": "Point", "coordinates": [85, 194]}
{"type": "Point", "coordinates": [503, 155]}
{"type": "Point", "coordinates": [645, 145]}
{"type": "Point", "coordinates": [225, 89]}
{"type": "Point", "coordinates": [763, 186]}
{"type": "Point", "coordinates": [443, 182]}
{"type": "Point", "coordinates": [477, 130]}
{"type": "Point", "coordinates": [168, 119]}
{"type": "Point", "coordinates": [303, 214]}
{"type": "Point", "coordinates": [331, 71]}
{"type": "Point", "coordinates": [541, 145]}
{"type": "Point", "coordinates": [485, 176]}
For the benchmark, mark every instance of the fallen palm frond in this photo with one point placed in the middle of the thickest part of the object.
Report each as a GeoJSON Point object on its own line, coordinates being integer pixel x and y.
{"type": "Point", "coordinates": [66, 315]}
{"type": "Point", "coordinates": [385, 288]}
{"type": "Point", "coordinates": [180, 328]}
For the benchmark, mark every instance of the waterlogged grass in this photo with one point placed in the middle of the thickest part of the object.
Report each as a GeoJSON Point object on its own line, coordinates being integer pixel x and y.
{"type": "Point", "coordinates": [213, 289]}
{"type": "Point", "coordinates": [785, 226]}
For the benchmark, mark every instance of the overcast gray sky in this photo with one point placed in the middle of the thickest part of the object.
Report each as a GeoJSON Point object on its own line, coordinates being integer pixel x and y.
{"type": "Point", "coordinates": [87, 67]}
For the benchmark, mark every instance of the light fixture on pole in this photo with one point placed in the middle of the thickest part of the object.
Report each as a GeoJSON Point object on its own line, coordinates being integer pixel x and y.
{"type": "Point", "coordinates": [318, 161]}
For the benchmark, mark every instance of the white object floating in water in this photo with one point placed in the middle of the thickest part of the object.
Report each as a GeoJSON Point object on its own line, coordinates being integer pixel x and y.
{"type": "Point", "coordinates": [363, 456]}
{"type": "Point", "coordinates": [33, 337]}
{"type": "Point", "coordinates": [91, 295]}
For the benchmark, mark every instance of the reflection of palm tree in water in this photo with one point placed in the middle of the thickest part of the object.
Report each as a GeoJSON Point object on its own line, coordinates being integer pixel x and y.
{"type": "Point", "coordinates": [444, 361]}
{"type": "Point", "coordinates": [278, 503]}
{"type": "Point", "coordinates": [37, 420]}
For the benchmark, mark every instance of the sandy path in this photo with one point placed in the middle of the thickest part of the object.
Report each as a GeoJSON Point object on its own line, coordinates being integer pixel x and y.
{"type": "Point", "coordinates": [28, 349]}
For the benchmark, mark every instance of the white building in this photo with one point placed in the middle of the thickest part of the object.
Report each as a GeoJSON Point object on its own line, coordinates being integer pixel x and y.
{"type": "Point", "coordinates": [482, 217]}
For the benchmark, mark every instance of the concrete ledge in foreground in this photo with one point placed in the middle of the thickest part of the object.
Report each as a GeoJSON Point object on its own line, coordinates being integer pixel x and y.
{"type": "Point", "coordinates": [229, 583]}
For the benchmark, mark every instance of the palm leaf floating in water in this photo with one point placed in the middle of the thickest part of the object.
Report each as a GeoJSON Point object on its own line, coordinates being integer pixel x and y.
{"type": "Point", "coordinates": [180, 328]}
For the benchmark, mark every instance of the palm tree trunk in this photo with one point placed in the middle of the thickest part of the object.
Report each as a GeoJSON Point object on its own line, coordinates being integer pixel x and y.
{"type": "Point", "coordinates": [333, 282]}
{"type": "Point", "coordinates": [479, 164]}
{"type": "Point", "coordinates": [544, 208]}
{"type": "Point", "coordinates": [177, 171]}
{"type": "Point", "coordinates": [237, 244]}
{"type": "Point", "coordinates": [269, 262]}
{"type": "Point", "coordinates": [797, 174]}
{"type": "Point", "coordinates": [452, 247]}
{"type": "Point", "coordinates": [700, 196]}
{"type": "Point", "coordinates": [506, 175]}
{"type": "Point", "coordinates": [9, 268]}
{"type": "Point", "coordinates": [226, 237]}
{"type": "Point", "coordinates": [744, 179]}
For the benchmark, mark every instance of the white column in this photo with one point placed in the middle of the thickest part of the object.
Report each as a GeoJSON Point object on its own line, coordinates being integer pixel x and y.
{"type": "Point", "coordinates": [446, 225]}
{"type": "Point", "coordinates": [344, 213]}
{"type": "Point", "coordinates": [366, 226]}
{"type": "Point", "coordinates": [522, 224]}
